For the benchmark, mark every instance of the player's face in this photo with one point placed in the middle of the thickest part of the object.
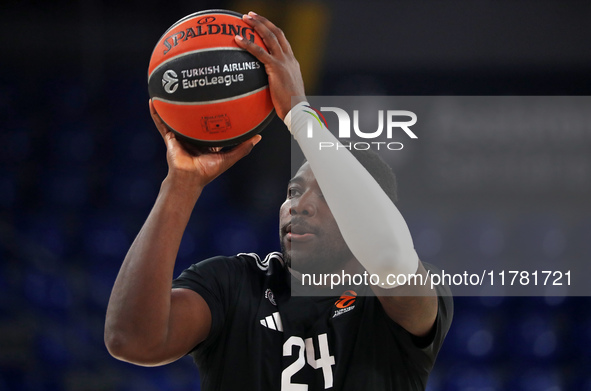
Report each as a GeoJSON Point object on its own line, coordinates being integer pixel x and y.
{"type": "Point", "coordinates": [310, 238]}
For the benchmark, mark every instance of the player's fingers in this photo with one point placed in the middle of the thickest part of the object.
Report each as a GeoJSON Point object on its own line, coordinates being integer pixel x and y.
{"type": "Point", "coordinates": [158, 121]}
{"type": "Point", "coordinates": [240, 151]}
{"type": "Point", "coordinates": [268, 36]}
{"type": "Point", "coordinates": [276, 31]}
{"type": "Point", "coordinates": [172, 144]}
{"type": "Point", "coordinates": [254, 49]}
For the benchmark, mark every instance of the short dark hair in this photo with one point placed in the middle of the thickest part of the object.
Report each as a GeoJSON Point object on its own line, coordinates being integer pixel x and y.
{"type": "Point", "coordinates": [379, 170]}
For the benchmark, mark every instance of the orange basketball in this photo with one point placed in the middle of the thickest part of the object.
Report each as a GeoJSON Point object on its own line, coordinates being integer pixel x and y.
{"type": "Point", "coordinates": [206, 89]}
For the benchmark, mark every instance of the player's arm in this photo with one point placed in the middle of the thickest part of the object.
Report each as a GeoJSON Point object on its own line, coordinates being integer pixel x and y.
{"type": "Point", "coordinates": [414, 307]}
{"type": "Point", "coordinates": [148, 322]}
{"type": "Point", "coordinates": [356, 199]}
{"type": "Point", "coordinates": [371, 225]}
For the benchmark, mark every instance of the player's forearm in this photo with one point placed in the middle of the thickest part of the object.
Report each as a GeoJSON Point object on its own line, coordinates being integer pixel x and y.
{"type": "Point", "coordinates": [139, 307]}
{"type": "Point", "coordinates": [370, 223]}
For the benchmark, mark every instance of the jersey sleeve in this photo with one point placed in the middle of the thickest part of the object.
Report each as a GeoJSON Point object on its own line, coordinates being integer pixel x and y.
{"type": "Point", "coordinates": [423, 351]}
{"type": "Point", "coordinates": [218, 281]}
{"type": "Point", "coordinates": [445, 311]}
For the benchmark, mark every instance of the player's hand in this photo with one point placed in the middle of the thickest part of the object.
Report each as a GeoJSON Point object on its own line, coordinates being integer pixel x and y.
{"type": "Point", "coordinates": [283, 70]}
{"type": "Point", "coordinates": [203, 167]}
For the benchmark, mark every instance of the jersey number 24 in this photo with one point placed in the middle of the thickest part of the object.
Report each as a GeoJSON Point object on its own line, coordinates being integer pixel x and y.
{"type": "Point", "coordinates": [325, 362]}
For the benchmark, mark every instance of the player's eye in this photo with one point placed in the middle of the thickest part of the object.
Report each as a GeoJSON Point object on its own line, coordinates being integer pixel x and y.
{"type": "Point", "coordinates": [293, 192]}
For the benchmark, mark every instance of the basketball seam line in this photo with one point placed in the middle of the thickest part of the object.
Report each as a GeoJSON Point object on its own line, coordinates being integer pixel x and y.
{"type": "Point", "coordinates": [201, 13]}
{"type": "Point", "coordinates": [211, 101]}
{"type": "Point", "coordinates": [188, 53]}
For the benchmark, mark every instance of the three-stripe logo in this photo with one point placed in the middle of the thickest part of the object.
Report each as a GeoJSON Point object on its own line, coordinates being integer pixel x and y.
{"type": "Point", "coordinates": [273, 322]}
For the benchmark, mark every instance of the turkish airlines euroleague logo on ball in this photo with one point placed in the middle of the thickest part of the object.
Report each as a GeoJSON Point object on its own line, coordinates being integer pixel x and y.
{"type": "Point", "coordinates": [170, 81]}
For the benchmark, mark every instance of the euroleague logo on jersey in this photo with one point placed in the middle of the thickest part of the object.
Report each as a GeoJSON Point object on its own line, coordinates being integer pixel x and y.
{"type": "Point", "coordinates": [345, 303]}
{"type": "Point", "coordinates": [346, 299]}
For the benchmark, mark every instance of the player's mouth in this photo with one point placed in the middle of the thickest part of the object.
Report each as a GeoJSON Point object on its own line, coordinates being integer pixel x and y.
{"type": "Point", "coordinates": [298, 233]}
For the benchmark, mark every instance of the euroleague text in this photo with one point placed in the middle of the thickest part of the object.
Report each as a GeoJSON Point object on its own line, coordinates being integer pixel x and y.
{"type": "Point", "coordinates": [192, 77]}
{"type": "Point", "coordinates": [491, 278]}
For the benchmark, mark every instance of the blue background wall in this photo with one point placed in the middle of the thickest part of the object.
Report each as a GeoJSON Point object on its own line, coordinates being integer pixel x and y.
{"type": "Point", "coordinates": [81, 164]}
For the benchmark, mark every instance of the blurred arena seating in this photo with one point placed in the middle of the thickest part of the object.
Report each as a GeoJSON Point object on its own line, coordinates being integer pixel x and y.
{"type": "Point", "coordinates": [81, 164]}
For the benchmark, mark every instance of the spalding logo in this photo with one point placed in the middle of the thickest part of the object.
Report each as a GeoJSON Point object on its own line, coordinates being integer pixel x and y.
{"type": "Point", "coordinates": [207, 19]}
{"type": "Point", "coordinates": [170, 82]}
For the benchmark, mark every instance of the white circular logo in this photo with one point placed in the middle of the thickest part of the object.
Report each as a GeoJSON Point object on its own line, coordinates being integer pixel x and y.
{"type": "Point", "coordinates": [269, 295]}
{"type": "Point", "coordinates": [170, 81]}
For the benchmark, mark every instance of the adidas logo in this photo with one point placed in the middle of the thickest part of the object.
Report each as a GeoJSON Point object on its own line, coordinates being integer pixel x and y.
{"type": "Point", "coordinates": [273, 322]}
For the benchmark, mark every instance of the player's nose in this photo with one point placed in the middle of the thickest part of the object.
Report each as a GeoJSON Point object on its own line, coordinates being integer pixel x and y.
{"type": "Point", "coordinates": [303, 205]}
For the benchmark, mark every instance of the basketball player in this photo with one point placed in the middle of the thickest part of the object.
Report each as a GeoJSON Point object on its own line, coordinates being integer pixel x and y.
{"type": "Point", "coordinates": [236, 315]}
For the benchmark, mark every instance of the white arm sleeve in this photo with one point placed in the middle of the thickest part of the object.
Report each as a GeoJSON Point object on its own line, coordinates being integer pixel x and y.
{"type": "Point", "coordinates": [370, 223]}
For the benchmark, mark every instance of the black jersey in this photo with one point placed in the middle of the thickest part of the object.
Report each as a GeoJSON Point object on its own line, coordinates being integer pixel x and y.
{"type": "Point", "coordinates": [262, 338]}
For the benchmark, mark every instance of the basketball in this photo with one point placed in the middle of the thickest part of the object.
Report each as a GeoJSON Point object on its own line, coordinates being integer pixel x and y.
{"type": "Point", "coordinates": [206, 89]}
